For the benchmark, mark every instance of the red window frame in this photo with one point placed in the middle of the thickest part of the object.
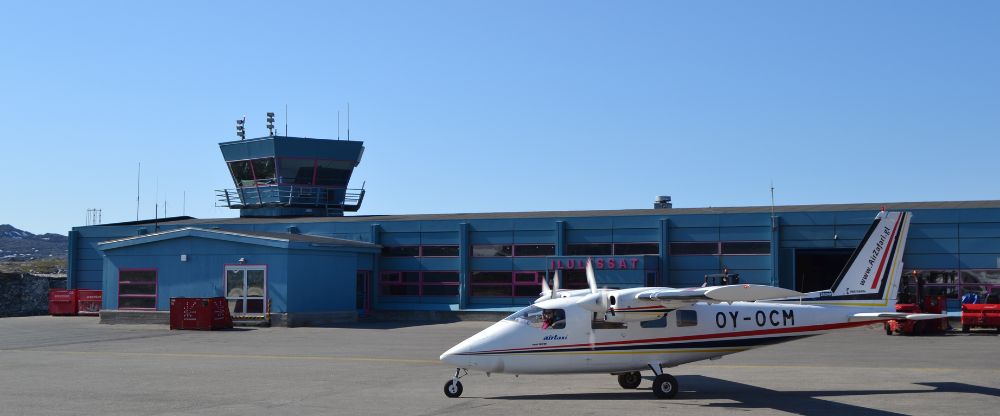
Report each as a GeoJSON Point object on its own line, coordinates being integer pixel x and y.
{"type": "Point", "coordinates": [154, 283]}
{"type": "Point", "coordinates": [383, 284]}
{"type": "Point", "coordinates": [514, 283]}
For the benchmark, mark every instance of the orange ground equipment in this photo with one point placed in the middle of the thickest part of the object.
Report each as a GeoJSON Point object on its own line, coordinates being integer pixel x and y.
{"type": "Point", "coordinates": [912, 300]}
{"type": "Point", "coordinates": [982, 315]}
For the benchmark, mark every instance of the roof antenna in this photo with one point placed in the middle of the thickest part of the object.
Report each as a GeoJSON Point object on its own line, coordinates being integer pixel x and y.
{"type": "Point", "coordinates": [286, 120]}
{"type": "Point", "coordinates": [138, 177]}
{"type": "Point", "coordinates": [338, 124]}
{"type": "Point", "coordinates": [773, 224]}
{"type": "Point", "coordinates": [348, 121]}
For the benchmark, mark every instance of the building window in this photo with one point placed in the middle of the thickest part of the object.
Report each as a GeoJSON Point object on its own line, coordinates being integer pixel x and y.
{"type": "Point", "coordinates": [430, 283]}
{"type": "Point", "coordinates": [573, 279]}
{"type": "Point", "coordinates": [242, 173]}
{"type": "Point", "coordinates": [293, 171]}
{"type": "Point", "coordinates": [507, 284]}
{"type": "Point", "coordinates": [137, 289]}
{"type": "Point", "coordinates": [492, 250]}
{"type": "Point", "coordinates": [693, 249]}
{"type": "Point", "coordinates": [263, 170]}
{"type": "Point", "coordinates": [534, 250]}
{"type": "Point", "coordinates": [439, 251]}
{"type": "Point", "coordinates": [626, 249]}
{"type": "Point", "coordinates": [746, 247]}
{"type": "Point", "coordinates": [401, 251]}
{"type": "Point", "coordinates": [589, 249]}
{"type": "Point", "coordinates": [333, 173]}
{"type": "Point", "coordinates": [729, 248]}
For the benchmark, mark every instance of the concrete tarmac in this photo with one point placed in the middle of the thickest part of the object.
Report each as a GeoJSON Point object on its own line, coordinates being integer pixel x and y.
{"type": "Point", "coordinates": [75, 366]}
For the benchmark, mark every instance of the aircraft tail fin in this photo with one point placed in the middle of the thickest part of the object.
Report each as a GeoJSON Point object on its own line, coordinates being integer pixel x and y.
{"type": "Point", "coordinates": [871, 276]}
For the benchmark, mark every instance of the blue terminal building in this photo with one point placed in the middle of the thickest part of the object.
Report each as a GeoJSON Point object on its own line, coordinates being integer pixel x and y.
{"type": "Point", "coordinates": [294, 257]}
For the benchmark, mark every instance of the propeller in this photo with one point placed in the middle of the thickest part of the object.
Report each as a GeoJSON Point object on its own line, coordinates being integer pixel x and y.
{"type": "Point", "coordinates": [591, 279]}
{"type": "Point", "coordinates": [545, 285]}
{"type": "Point", "coordinates": [555, 284]}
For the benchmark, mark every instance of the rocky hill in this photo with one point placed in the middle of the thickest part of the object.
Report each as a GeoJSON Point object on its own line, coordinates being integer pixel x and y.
{"type": "Point", "coordinates": [20, 245]}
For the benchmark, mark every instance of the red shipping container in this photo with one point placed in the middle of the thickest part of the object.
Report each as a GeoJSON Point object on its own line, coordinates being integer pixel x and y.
{"type": "Point", "coordinates": [88, 302]}
{"type": "Point", "coordinates": [62, 302]}
{"type": "Point", "coordinates": [203, 314]}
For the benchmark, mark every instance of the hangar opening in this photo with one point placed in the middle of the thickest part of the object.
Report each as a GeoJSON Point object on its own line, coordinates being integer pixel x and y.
{"type": "Point", "coordinates": [818, 269]}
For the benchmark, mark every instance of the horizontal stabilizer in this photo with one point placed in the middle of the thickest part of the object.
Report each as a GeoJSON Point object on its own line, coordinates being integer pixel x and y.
{"type": "Point", "coordinates": [881, 316]}
{"type": "Point", "coordinates": [730, 293]}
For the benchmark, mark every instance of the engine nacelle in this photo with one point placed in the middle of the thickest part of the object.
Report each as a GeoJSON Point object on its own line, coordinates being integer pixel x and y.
{"type": "Point", "coordinates": [624, 307]}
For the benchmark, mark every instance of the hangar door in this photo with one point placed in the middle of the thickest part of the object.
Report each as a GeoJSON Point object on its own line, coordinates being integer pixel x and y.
{"type": "Point", "coordinates": [246, 290]}
{"type": "Point", "coordinates": [818, 269]}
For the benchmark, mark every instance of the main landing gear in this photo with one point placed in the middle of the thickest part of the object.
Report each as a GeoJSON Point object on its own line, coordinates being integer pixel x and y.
{"type": "Point", "coordinates": [453, 388]}
{"type": "Point", "coordinates": [664, 385]}
{"type": "Point", "coordinates": [629, 380]}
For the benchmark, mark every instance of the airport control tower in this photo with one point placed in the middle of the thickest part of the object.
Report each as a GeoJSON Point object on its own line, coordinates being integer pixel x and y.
{"type": "Point", "coordinates": [280, 176]}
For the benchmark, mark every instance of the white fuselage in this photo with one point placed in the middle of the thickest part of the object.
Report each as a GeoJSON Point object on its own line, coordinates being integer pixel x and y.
{"type": "Point", "coordinates": [697, 332]}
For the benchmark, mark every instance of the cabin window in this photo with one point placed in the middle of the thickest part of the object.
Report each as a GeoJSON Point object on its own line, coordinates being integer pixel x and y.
{"type": "Point", "coordinates": [655, 323]}
{"type": "Point", "coordinates": [539, 318]}
{"type": "Point", "coordinates": [600, 323]}
{"type": "Point", "coordinates": [687, 318]}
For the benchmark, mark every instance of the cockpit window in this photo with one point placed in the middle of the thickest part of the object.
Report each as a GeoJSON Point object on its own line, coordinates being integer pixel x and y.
{"type": "Point", "coordinates": [539, 318]}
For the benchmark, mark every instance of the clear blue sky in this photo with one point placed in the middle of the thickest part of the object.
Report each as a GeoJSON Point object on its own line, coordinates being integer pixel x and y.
{"type": "Point", "coordinates": [503, 106]}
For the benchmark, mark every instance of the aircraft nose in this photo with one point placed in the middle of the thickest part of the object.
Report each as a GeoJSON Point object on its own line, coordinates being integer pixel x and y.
{"type": "Point", "coordinates": [452, 356]}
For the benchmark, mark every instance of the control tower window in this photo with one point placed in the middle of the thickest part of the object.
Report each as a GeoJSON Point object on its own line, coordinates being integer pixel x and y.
{"type": "Point", "coordinates": [242, 174]}
{"type": "Point", "coordinates": [296, 171]}
{"type": "Point", "coordinates": [332, 172]}
{"type": "Point", "coordinates": [263, 170]}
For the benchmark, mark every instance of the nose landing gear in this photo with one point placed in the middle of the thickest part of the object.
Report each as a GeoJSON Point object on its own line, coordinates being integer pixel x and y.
{"type": "Point", "coordinates": [453, 388]}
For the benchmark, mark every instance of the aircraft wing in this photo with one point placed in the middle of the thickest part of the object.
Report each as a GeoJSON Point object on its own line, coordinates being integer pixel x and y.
{"type": "Point", "coordinates": [729, 293]}
{"type": "Point", "coordinates": [881, 316]}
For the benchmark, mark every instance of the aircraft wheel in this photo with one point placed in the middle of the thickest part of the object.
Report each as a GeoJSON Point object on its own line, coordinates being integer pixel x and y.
{"type": "Point", "coordinates": [665, 386]}
{"type": "Point", "coordinates": [630, 380]}
{"type": "Point", "coordinates": [453, 388]}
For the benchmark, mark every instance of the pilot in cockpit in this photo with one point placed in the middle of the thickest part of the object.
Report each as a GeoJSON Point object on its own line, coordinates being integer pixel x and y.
{"type": "Point", "coordinates": [548, 318]}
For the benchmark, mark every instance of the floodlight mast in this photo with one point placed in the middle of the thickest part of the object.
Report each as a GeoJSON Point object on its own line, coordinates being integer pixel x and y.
{"type": "Point", "coordinates": [270, 122]}
{"type": "Point", "coordinates": [240, 130]}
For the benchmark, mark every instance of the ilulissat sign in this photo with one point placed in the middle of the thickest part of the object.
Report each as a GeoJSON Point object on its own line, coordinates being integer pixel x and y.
{"type": "Point", "coordinates": [600, 263]}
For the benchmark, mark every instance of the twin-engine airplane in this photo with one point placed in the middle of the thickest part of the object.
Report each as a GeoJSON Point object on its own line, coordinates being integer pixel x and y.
{"type": "Point", "coordinates": [627, 330]}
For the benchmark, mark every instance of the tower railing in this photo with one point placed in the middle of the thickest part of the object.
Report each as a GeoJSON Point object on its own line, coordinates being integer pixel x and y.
{"type": "Point", "coordinates": [345, 199]}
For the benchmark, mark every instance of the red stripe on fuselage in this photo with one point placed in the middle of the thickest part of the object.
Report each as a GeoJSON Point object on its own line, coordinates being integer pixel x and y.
{"type": "Point", "coordinates": [885, 254]}
{"type": "Point", "coordinates": [809, 328]}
